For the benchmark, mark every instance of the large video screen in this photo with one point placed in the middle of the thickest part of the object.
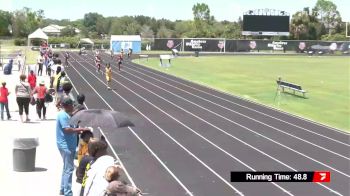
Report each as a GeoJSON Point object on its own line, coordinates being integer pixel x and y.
{"type": "Point", "coordinates": [258, 23]}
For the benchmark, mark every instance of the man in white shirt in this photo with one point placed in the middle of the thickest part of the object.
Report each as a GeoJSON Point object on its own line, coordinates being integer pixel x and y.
{"type": "Point", "coordinates": [40, 61]}
{"type": "Point", "coordinates": [19, 61]}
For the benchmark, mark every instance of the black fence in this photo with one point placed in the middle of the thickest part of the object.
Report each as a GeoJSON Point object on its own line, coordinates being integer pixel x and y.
{"type": "Point", "coordinates": [228, 45]}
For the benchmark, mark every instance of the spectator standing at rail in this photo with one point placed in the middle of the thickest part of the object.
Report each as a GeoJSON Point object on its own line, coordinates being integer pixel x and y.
{"type": "Point", "coordinates": [108, 76]}
{"type": "Point", "coordinates": [23, 92]}
{"type": "Point", "coordinates": [46, 61]}
{"type": "Point", "coordinates": [66, 144]}
{"type": "Point", "coordinates": [40, 102]}
{"type": "Point", "coordinates": [63, 91]}
{"type": "Point", "coordinates": [80, 106]}
{"type": "Point", "coordinates": [49, 67]}
{"type": "Point", "coordinates": [19, 60]}
{"type": "Point", "coordinates": [32, 80]}
{"type": "Point", "coordinates": [40, 61]}
{"type": "Point", "coordinates": [54, 78]}
{"type": "Point", "coordinates": [4, 93]}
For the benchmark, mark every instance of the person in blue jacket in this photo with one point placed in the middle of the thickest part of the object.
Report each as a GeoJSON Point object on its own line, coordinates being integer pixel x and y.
{"type": "Point", "coordinates": [8, 68]}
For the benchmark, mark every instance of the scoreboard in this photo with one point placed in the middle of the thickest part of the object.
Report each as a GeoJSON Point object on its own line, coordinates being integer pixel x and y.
{"type": "Point", "coordinates": [265, 25]}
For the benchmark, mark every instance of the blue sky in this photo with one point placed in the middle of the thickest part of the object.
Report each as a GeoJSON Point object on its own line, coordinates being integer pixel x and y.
{"type": "Point", "coordinates": [169, 9]}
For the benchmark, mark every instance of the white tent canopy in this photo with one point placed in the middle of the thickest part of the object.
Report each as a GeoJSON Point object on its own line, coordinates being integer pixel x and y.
{"type": "Point", "coordinates": [126, 37]}
{"type": "Point", "coordinates": [86, 40]}
{"type": "Point", "coordinates": [37, 34]}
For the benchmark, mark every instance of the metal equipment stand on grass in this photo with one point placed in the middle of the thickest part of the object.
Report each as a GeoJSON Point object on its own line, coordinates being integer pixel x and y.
{"type": "Point", "coordinates": [278, 96]}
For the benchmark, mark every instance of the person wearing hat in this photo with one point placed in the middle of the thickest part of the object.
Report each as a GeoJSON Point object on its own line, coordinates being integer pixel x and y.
{"type": "Point", "coordinates": [4, 93]}
{"type": "Point", "coordinates": [41, 91]}
{"type": "Point", "coordinates": [66, 140]}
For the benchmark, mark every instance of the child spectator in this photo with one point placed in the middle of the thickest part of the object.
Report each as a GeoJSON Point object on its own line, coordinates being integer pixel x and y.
{"type": "Point", "coordinates": [117, 187]}
{"type": "Point", "coordinates": [4, 93]}
{"type": "Point", "coordinates": [32, 80]}
{"type": "Point", "coordinates": [83, 144]}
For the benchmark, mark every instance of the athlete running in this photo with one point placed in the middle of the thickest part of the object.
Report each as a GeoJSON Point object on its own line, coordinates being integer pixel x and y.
{"type": "Point", "coordinates": [119, 61]}
{"type": "Point", "coordinates": [98, 63]}
{"type": "Point", "coordinates": [108, 76]}
{"type": "Point", "coordinates": [66, 57]}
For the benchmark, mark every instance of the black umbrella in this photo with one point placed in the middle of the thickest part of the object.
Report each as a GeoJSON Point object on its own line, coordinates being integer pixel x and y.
{"type": "Point", "coordinates": [101, 119]}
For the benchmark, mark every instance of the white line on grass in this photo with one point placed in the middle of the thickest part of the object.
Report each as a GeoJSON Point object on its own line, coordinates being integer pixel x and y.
{"type": "Point", "coordinates": [302, 154]}
{"type": "Point", "coordinates": [226, 93]}
{"type": "Point", "coordinates": [238, 112]}
{"type": "Point", "coordinates": [345, 157]}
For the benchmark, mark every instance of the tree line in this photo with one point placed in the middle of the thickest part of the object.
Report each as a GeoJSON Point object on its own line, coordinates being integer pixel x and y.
{"type": "Point", "coordinates": [322, 22]}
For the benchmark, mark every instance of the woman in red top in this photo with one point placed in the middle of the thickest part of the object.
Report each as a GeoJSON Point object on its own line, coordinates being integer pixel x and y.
{"type": "Point", "coordinates": [40, 102]}
{"type": "Point", "coordinates": [4, 93]}
{"type": "Point", "coordinates": [32, 80]}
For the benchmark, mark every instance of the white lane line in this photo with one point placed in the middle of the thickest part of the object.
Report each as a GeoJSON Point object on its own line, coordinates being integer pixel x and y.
{"type": "Point", "coordinates": [160, 161]}
{"type": "Point", "coordinates": [216, 146]}
{"type": "Point", "coordinates": [184, 148]}
{"type": "Point", "coordinates": [134, 69]}
{"type": "Point", "coordinates": [223, 131]}
{"type": "Point", "coordinates": [235, 158]}
{"type": "Point", "coordinates": [235, 124]}
{"type": "Point", "coordinates": [111, 147]}
{"type": "Point", "coordinates": [288, 192]}
{"type": "Point", "coordinates": [227, 119]}
{"type": "Point", "coordinates": [335, 192]}
{"type": "Point", "coordinates": [331, 190]}
{"type": "Point", "coordinates": [266, 106]}
{"type": "Point", "coordinates": [181, 184]}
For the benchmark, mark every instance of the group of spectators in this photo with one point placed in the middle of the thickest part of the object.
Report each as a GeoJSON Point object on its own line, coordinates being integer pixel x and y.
{"type": "Point", "coordinates": [97, 172]}
{"type": "Point", "coordinates": [26, 89]}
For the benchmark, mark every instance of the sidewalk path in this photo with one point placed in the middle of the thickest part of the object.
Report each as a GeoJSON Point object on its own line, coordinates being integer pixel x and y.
{"type": "Point", "coordinates": [45, 180]}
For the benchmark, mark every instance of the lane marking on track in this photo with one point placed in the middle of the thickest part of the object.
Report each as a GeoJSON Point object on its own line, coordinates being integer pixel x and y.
{"type": "Point", "coordinates": [335, 192]}
{"type": "Point", "coordinates": [227, 119]}
{"type": "Point", "coordinates": [230, 155]}
{"type": "Point", "coordinates": [231, 110]}
{"type": "Point", "coordinates": [155, 156]}
{"type": "Point", "coordinates": [223, 131]}
{"type": "Point", "coordinates": [181, 184]}
{"type": "Point", "coordinates": [179, 144]}
{"type": "Point", "coordinates": [115, 154]}
{"type": "Point", "coordinates": [226, 93]}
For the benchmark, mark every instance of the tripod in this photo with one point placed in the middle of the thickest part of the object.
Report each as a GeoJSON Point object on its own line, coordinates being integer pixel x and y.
{"type": "Point", "coordinates": [278, 95]}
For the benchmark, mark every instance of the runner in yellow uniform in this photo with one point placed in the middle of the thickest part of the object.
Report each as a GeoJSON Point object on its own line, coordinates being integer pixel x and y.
{"type": "Point", "coordinates": [108, 75]}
